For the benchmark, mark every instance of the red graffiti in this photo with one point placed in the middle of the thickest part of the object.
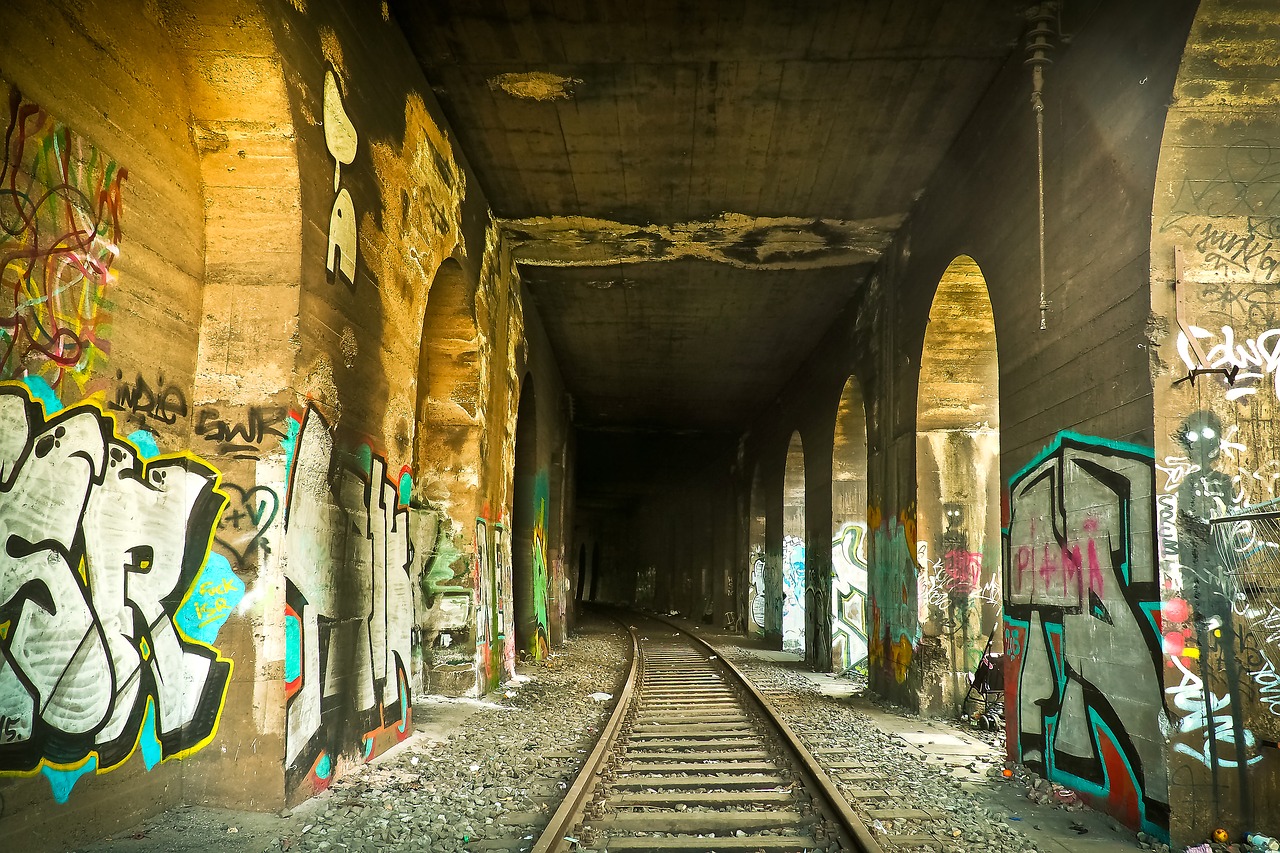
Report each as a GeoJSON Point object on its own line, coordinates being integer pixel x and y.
{"type": "Point", "coordinates": [1052, 562]}
{"type": "Point", "coordinates": [60, 203]}
{"type": "Point", "coordinates": [964, 570]}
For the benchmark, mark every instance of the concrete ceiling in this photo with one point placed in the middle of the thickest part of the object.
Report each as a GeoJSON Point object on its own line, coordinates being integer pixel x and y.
{"type": "Point", "coordinates": [694, 187]}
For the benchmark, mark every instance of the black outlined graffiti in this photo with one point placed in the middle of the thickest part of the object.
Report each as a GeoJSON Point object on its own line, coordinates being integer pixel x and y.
{"type": "Point", "coordinates": [1081, 625]}
{"type": "Point", "coordinates": [106, 593]}
{"type": "Point", "coordinates": [242, 529]}
{"type": "Point", "coordinates": [241, 438]}
{"type": "Point", "coordinates": [141, 402]}
{"type": "Point", "coordinates": [349, 607]}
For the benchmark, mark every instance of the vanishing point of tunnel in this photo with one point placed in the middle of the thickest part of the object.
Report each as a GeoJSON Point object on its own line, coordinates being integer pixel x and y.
{"type": "Point", "coordinates": [354, 354]}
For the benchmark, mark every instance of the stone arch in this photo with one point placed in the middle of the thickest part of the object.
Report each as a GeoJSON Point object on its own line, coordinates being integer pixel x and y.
{"type": "Point", "coordinates": [793, 548]}
{"type": "Point", "coordinates": [757, 586]}
{"type": "Point", "coordinates": [849, 531]}
{"type": "Point", "coordinates": [958, 480]}
{"type": "Point", "coordinates": [529, 518]}
{"type": "Point", "coordinates": [1215, 263]}
{"type": "Point", "coordinates": [251, 185]}
{"type": "Point", "coordinates": [446, 447]}
{"type": "Point", "coordinates": [209, 264]}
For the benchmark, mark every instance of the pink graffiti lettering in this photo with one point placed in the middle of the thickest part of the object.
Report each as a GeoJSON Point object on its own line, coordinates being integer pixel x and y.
{"type": "Point", "coordinates": [964, 569]}
{"type": "Point", "coordinates": [1063, 562]}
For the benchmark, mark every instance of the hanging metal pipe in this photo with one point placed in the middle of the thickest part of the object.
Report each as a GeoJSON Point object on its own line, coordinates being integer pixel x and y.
{"type": "Point", "coordinates": [1038, 46]}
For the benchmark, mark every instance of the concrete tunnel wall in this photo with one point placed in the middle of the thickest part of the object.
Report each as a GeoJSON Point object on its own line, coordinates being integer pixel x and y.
{"type": "Point", "coordinates": [209, 425]}
{"type": "Point", "coordinates": [272, 193]}
{"type": "Point", "coordinates": [1075, 409]}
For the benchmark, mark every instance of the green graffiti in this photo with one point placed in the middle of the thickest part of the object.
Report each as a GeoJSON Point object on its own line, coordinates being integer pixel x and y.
{"type": "Point", "coordinates": [440, 576]}
{"type": "Point", "coordinates": [541, 499]}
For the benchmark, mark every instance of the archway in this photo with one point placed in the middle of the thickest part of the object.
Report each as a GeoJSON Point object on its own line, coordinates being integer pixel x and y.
{"type": "Point", "coordinates": [528, 533]}
{"type": "Point", "coordinates": [757, 598]}
{"type": "Point", "coordinates": [793, 549]}
{"type": "Point", "coordinates": [595, 571]}
{"type": "Point", "coordinates": [849, 532]}
{"type": "Point", "coordinates": [1214, 224]}
{"type": "Point", "coordinates": [447, 439]}
{"type": "Point", "coordinates": [958, 478]}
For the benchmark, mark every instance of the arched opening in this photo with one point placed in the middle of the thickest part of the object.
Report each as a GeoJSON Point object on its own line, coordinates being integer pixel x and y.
{"type": "Point", "coordinates": [528, 533]}
{"type": "Point", "coordinates": [446, 445]}
{"type": "Point", "coordinates": [849, 532]}
{"type": "Point", "coordinates": [1215, 409]}
{"type": "Point", "coordinates": [756, 596]}
{"type": "Point", "coordinates": [595, 570]}
{"type": "Point", "coordinates": [958, 479]}
{"type": "Point", "coordinates": [582, 570]}
{"type": "Point", "coordinates": [793, 548]}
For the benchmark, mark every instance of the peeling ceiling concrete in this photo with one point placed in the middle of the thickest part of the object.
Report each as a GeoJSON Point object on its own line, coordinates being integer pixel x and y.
{"type": "Point", "coordinates": [746, 242]}
{"type": "Point", "coordinates": [693, 189]}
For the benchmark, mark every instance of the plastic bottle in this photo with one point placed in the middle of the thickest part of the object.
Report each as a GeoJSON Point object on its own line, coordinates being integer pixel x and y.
{"type": "Point", "coordinates": [1263, 842]}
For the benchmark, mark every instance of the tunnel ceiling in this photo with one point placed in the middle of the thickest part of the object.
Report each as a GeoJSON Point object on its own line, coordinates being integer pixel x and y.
{"type": "Point", "coordinates": [693, 189]}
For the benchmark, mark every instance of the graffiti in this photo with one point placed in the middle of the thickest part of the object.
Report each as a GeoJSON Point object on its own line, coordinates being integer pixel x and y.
{"type": "Point", "coordinates": [849, 570]}
{"type": "Point", "coordinates": [539, 639]}
{"type": "Point", "coordinates": [1244, 187]}
{"type": "Point", "coordinates": [955, 578]}
{"type": "Point", "coordinates": [109, 597]}
{"type": "Point", "coordinates": [793, 594]}
{"type": "Point", "coordinates": [1256, 358]}
{"type": "Point", "coordinates": [502, 583]}
{"type": "Point", "coordinates": [348, 605]}
{"type": "Point", "coordinates": [894, 629]}
{"type": "Point", "coordinates": [1202, 496]}
{"type": "Point", "coordinates": [1082, 629]}
{"type": "Point", "coordinates": [60, 204]}
{"type": "Point", "coordinates": [1202, 708]}
{"type": "Point", "coordinates": [488, 624]}
{"type": "Point", "coordinates": [1254, 304]}
{"type": "Point", "coordinates": [1226, 249]}
{"type": "Point", "coordinates": [1268, 682]}
{"type": "Point", "coordinates": [140, 402]}
{"type": "Point", "coordinates": [342, 141]}
{"type": "Point", "coordinates": [756, 590]}
{"type": "Point", "coordinates": [242, 529]}
{"type": "Point", "coordinates": [1270, 625]}
{"type": "Point", "coordinates": [241, 438]}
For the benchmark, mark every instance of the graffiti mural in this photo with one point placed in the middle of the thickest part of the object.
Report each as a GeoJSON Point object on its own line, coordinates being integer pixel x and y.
{"type": "Point", "coordinates": [504, 618]}
{"type": "Point", "coordinates": [849, 603]}
{"type": "Point", "coordinates": [1217, 552]}
{"type": "Point", "coordinates": [793, 597]}
{"type": "Point", "coordinates": [110, 599]}
{"type": "Point", "coordinates": [60, 206]}
{"type": "Point", "coordinates": [756, 592]}
{"type": "Point", "coordinates": [1082, 626]}
{"type": "Point", "coordinates": [894, 627]}
{"type": "Point", "coordinates": [487, 624]}
{"type": "Point", "coordinates": [348, 605]}
{"type": "Point", "coordinates": [341, 139]}
{"type": "Point", "coordinates": [538, 559]}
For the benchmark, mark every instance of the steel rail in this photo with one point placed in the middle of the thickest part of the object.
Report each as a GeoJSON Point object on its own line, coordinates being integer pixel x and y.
{"type": "Point", "coordinates": [814, 777]}
{"type": "Point", "coordinates": [570, 811]}
{"type": "Point", "coordinates": [826, 796]}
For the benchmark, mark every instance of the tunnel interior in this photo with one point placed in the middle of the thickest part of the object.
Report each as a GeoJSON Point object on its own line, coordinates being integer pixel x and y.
{"type": "Point", "coordinates": [861, 328]}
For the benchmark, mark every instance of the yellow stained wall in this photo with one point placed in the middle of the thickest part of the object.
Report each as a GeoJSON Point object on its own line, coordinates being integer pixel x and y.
{"type": "Point", "coordinates": [287, 386]}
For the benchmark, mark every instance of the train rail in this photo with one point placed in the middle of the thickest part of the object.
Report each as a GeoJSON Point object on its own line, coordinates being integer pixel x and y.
{"type": "Point", "coordinates": [693, 758]}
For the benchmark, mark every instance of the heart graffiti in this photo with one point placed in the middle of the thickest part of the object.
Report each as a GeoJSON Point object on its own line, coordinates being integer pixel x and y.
{"type": "Point", "coordinates": [245, 522]}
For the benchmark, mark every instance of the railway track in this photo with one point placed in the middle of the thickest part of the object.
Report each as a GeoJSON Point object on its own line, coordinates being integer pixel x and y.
{"type": "Point", "coordinates": [693, 759]}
